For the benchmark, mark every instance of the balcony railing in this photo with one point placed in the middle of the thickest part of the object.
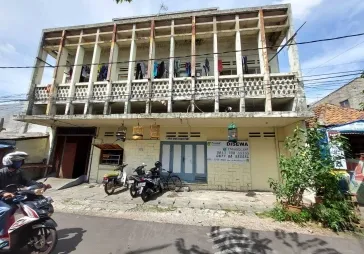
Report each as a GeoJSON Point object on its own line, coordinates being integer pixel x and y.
{"type": "Point", "coordinates": [252, 86]}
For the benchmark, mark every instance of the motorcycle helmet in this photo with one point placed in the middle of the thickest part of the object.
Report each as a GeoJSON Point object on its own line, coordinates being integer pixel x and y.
{"type": "Point", "coordinates": [158, 164]}
{"type": "Point", "coordinates": [14, 159]}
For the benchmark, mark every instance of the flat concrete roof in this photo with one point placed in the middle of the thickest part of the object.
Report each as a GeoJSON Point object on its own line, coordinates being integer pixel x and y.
{"type": "Point", "coordinates": [171, 15]}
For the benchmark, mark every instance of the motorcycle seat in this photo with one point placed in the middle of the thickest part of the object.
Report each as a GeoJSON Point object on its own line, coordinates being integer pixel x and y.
{"type": "Point", "coordinates": [112, 174]}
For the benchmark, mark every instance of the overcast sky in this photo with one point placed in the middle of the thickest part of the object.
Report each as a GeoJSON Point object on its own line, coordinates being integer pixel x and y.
{"type": "Point", "coordinates": [21, 23]}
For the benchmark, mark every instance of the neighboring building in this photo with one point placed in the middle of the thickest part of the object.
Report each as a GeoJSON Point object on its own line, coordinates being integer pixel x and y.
{"type": "Point", "coordinates": [347, 96]}
{"type": "Point", "coordinates": [30, 138]}
{"type": "Point", "coordinates": [349, 123]}
{"type": "Point", "coordinates": [178, 73]}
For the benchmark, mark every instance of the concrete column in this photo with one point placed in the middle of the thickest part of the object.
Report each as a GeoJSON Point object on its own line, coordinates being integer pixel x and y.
{"type": "Point", "coordinates": [171, 69]}
{"type": "Point", "coordinates": [150, 66]}
{"type": "Point", "coordinates": [112, 58]}
{"type": "Point", "coordinates": [132, 56]}
{"type": "Point", "coordinates": [239, 64]}
{"type": "Point", "coordinates": [57, 74]}
{"type": "Point", "coordinates": [216, 66]}
{"type": "Point", "coordinates": [264, 62]}
{"type": "Point", "coordinates": [295, 67]}
{"type": "Point", "coordinates": [36, 77]}
{"type": "Point", "coordinates": [52, 146]}
{"type": "Point", "coordinates": [80, 53]}
{"type": "Point", "coordinates": [93, 73]}
{"type": "Point", "coordinates": [193, 64]}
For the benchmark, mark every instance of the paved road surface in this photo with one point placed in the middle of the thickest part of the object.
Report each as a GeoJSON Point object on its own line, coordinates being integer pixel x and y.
{"type": "Point", "coordinates": [96, 235]}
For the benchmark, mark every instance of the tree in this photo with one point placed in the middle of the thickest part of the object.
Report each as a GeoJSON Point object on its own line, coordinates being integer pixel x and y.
{"type": "Point", "coordinates": [121, 1]}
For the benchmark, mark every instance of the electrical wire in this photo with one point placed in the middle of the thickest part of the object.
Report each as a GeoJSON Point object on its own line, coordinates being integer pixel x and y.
{"type": "Point", "coordinates": [205, 54]}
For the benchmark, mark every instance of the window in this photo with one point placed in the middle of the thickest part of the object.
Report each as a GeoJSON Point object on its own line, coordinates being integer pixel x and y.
{"type": "Point", "coordinates": [111, 154]}
{"type": "Point", "coordinates": [345, 104]}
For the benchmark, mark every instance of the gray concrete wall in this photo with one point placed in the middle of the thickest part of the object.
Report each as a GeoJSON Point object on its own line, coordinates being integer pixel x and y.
{"type": "Point", "coordinates": [351, 92]}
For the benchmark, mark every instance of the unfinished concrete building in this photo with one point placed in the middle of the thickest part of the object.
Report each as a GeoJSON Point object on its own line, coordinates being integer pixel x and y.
{"type": "Point", "coordinates": [191, 73]}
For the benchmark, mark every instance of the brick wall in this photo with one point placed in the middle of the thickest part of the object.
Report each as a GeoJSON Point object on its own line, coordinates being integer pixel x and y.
{"type": "Point", "coordinates": [229, 176]}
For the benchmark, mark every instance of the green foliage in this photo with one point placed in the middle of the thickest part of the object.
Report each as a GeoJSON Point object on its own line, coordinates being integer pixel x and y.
{"type": "Point", "coordinates": [310, 166]}
{"type": "Point", "coordinates": [279, 213]}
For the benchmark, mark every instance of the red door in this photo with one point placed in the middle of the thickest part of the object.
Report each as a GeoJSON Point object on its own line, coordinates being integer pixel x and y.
{"type": "Point", "coordinates": [68, 160]}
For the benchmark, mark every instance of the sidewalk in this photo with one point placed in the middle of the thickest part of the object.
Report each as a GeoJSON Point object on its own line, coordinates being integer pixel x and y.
{"type": "Point", "coordinates": [95, 198]}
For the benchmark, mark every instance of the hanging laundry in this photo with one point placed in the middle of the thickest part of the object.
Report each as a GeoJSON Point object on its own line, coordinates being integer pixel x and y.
{"type": "Point", "coordinates": [177, 65]}
{"type": "Point", "coordinates": [102, 75]}
{"type": "Point", "coordinates": [219, 66]}
{"type": "Point", "coordinates": [245, 64]}
{"type": "Point", "coordinates": [206, 67]}
{"type": "Point", "coordinates": [166, 72]}
{"type": "Point", "coordinates": [161, 69]}
{"type": "Point", "coordinates": [143, 69]}
{"type": "Point", "coordinates": [85, 73]}
{"type": "Point", "coordinates": [155, 69]}
{"type": "Point", "coordinates": [138, 73]}
{"type": "Point", "coordinates": [188, 69]}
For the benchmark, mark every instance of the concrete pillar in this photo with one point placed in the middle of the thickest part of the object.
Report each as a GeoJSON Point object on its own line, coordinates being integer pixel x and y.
{"type": "Point", "coordinates": [93, 73]}
{"type": "Point", "coordinates": [216, 65]}
{"type": "Point", "coordinates": [131, 68]}
{"type": "Point", "coordinates": [80, 53]}
{"type": "Point", "coordinates": [239, 64]}
{"type": "Point", "coordinates": [264, 62]}
{"type": "Point", "coordinates": [57, 74]}
{"type": "Point", "coordinates": [52, 145]}
{"type": "Point", "coordinates": [112, 58]}
{"type": "Point", "coordinates": [36, 77]}
{"type": "Point", "coordinates": [193, 64]}
{"type": "Point", "coordinates": [171, 69]}
{"type": "Point", "coordinates": [150, 66]}
{"type": "Point", "coordinates": [295, 67]}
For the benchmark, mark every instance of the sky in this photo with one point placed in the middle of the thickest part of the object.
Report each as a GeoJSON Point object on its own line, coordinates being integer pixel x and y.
{"type": "Point", "coordinates": [22, 21]}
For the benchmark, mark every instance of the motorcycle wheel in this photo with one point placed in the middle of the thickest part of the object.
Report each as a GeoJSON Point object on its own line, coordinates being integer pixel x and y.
{"type": "Point", "coordinates": [42, 240]}
{"type": "Point", "coordinates": [109, 188]}
{"type": "Point", "coordinates": [144, 195]}
{"type": "Point", "coordinates": [133, 190]}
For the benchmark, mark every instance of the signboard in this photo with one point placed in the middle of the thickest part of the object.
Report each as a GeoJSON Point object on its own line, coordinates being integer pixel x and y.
{"type": "Point", "coordinates": [236, 152]}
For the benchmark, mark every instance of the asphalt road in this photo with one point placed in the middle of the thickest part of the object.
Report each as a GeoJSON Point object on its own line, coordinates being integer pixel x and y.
{"type": "Point", "coordinates": [85, 234]}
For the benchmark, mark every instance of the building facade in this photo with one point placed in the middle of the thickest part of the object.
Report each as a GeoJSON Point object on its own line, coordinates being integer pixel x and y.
{"type": "Point", "coordinates": [186, 76]}
{"type": "Point", "coordinates": [348, 96]}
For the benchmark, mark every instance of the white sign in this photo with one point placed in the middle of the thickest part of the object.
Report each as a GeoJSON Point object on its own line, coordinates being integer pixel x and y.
{"type": "Point", "coordinates": [337, 152]}
{"type": "Point", "coordinates": [237, 152]}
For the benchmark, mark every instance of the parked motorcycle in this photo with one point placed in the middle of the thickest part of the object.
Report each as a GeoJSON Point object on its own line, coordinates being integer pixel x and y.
{"type": "Point", "coordinates": [36, 230]}
{"type": "Point", "coordinates": [151, 183]}
{"type": "Point", "coordinates": [116, 179]}
{"type": "Point", "coordinates": [135, 179]}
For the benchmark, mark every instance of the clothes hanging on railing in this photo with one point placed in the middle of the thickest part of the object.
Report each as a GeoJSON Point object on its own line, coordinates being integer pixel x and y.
{"type": "Point", "coordinates": [138, 73]}
{"type": "Point", "coordinates": [177, 65]}
{"type": "Point", "coordinates": [206, 67]}
{"type": "Point", "coordinates": [166, 72]}
{"type": "Point", "coordinates": [219, 66]}
{"type": "Point", "coordinates": [160, 70]}
{"type": "Point", "coordinates": [155, 69]}
{"type": "Point", "coordinates": [188, 69]}
{"type": "Point", "coordinates": [245, 64]}
{"type": "Point", "coordinates": [102, 74]}
{"type": "Point", "coordinates": [85, 73]}
{"type": "Point", "coordinates": [69, 74]}
{"type": "Point", "coordinates": [143, 68]}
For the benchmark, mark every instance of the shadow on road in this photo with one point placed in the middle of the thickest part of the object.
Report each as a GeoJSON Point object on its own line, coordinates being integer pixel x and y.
{"type": "Point", "coordinates": [181, 248]}
{"type": "Point", "coordinates": [68, 239]}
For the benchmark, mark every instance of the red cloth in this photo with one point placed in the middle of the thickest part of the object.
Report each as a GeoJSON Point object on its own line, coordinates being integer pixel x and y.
{"type": "Point", "coordinates": [219, 65]}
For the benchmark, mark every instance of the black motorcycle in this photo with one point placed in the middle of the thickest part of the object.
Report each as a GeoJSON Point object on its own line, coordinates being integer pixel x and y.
{"type": "Point", "coordinates": [135, 179]}
{"type": "Point", "coordinates": [150, 184]}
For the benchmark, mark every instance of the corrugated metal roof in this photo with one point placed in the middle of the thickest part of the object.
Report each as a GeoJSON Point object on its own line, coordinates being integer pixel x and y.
{"type": "Point", "coordinates": [108, 146]}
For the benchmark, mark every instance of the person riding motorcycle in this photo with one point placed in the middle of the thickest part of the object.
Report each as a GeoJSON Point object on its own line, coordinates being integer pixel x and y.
{"type": "Point", "coordinates": [12, 174]}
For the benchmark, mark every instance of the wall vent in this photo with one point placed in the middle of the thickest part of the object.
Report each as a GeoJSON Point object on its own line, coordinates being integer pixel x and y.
{"type": "Point", "coordinates": [254, 134]}
{"type": "Point", "coordinates": [183, 134]}
{"type": "Point", "coordinates": [171, 134]}
{"type": "Point", "coordinates": [109, 134]}
{"type": "Point", "coordinates": [269, 134]}
{"type": "Point", "coordinates": [195, 134]}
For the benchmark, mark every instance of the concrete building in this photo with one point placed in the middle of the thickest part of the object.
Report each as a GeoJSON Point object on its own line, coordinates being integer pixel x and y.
{"type": "Point", "coordinates": [347, 96]}
{"type": "Point", "coordinates": [175, 81]}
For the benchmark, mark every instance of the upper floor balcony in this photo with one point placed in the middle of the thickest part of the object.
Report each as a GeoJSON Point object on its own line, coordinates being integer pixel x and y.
{"type": "Point", "coordinates": [201, 61]}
